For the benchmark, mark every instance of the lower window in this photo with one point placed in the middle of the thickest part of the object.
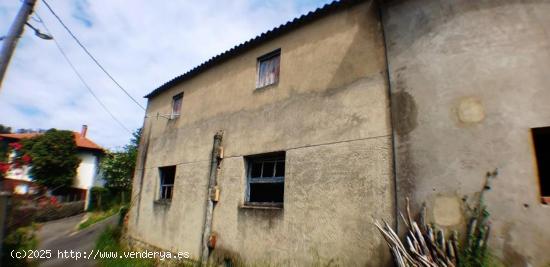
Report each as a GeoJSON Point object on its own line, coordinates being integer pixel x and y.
{"type": "Point", "coordinates": [167, 177]}
{"type": "Point", "coordinates": [541, 140]}
{"type": "Point", "coordinates": [265, 179]}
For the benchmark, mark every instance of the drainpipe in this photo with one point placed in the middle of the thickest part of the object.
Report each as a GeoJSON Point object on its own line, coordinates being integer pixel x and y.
{"type": "Point", "coordinates": [394, 149]}
{"type": "Point", "coordinates": [216, 158]}
{"type": "Point", "coordinates": [143, 151]}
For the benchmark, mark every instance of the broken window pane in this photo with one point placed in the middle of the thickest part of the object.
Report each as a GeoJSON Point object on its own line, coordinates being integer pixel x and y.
{"type": "Point", "coordinates": [256, 170]}
{"type": "Point", "coordinates": [268, 169]}
{"type": "Point", "coordinates": [280, 169]}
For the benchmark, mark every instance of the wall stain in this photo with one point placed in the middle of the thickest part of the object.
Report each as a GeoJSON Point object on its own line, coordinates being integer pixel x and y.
{"type": "Point", "coordinates": [404, 116]}
{"type": "Point", "coordinates": [260, 215]}
{"type": "Point", "coordinates": [404, 113]}
{"type": "Point", "coordinates": [511, 256]}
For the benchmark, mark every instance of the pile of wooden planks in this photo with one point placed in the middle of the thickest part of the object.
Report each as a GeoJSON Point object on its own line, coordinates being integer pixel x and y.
{"type": "Point", "coordinates": [423, 244]}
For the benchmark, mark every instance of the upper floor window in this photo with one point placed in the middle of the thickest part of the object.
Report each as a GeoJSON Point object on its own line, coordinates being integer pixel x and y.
{"type": "Point", "coordinates": [167, 177]}
{"type": "Point", "coordinates": [177, 102]}
{"type": "Point", "coordinates": [266, 177]}
{"type": "Point", "coordinates": [268, 69]}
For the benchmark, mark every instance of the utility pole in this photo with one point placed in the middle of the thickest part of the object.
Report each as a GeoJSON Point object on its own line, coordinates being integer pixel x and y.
{"type": "Point", "coordinates": [13, 36]}
{"type": "Point", "coordinates": [8, 45]}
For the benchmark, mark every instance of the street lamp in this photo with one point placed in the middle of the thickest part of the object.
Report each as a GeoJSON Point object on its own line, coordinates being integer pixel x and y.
{"type": "Point", "coordinates": [38, 33]}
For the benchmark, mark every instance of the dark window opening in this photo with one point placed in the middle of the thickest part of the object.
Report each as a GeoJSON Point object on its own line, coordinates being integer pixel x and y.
{"type": "Point", "coordinates": [268, 192]}
{"type": "Point", "coordinates": [167, 176]}
{"type": "Point", "coordinates": [268, 69]}
{"type": "Point", "coordinates": [266, 176]}
{"type": "Point", "coordinates": [541, 140]}
{"type": "Point", "coordinates": [177, 102]}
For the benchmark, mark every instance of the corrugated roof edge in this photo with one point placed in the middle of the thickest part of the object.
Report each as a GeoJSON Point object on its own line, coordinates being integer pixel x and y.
{"type": "Point", "coordinates": [268, 35]}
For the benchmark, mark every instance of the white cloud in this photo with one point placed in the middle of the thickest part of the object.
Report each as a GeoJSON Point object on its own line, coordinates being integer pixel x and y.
{"type": "Point", "coordinates": [141, 43]}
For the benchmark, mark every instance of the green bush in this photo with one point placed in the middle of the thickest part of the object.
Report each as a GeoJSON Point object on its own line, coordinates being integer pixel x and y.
{"type": "Point", "coordinates": [23, 238]}
{"type": "Point", "coordinates": [54, 157]}
{"type": "Point", "coordinates": [105, 199]}
{"type": "Point", "coordinates": [98, 198]}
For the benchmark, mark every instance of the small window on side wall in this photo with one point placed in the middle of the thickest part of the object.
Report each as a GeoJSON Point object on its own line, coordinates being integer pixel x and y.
{"type": "Point", "coordinates": [266, 179]}
{"type": "Point", "coordinates": [268, 69]}
{"type": "Point", "coordinates": [177, 102]}
{"type": "Point", "coordinates": [167, 177]}
{"type": "Point", "coordinates": [541, 140]}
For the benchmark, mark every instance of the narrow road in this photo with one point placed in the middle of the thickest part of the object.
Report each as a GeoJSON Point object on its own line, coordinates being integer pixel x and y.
{"type": "Point", "coordinates": [61, 235]}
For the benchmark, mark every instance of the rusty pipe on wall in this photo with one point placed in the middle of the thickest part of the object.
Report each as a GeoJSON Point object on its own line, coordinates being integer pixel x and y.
{"type": "Point", "coordinates": [216, 158]}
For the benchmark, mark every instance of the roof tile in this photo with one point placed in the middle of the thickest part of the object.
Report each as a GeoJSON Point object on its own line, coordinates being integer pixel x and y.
{"type": "Point", "coordinates": [270, 34]}
{"type": "Point", "coordinates": [81, 141]}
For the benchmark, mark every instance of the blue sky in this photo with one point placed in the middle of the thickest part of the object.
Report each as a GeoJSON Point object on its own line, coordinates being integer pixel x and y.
{"type": "Point", "coordinates": [141, 43]}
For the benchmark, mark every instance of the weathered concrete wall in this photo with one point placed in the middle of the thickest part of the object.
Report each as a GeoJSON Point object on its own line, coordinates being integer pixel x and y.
{"type": "Point", "coordinates": [329, 112]}
{"type": "Point", "coordinates": [468, 81]}
{"type": "Point", "coordinates": [333, 193]}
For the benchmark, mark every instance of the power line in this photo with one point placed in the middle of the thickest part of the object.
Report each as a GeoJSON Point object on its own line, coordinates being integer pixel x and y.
{"type": "Point", "coordinates": [90, 55]}
{"type": "Point", "coordinates": [80, 76]}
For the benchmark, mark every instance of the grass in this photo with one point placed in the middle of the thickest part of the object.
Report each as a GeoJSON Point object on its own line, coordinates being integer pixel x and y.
{"type": "Point", "coordinates": [98, 216]}
{"type": "Point", "coordinates": [109, 242]}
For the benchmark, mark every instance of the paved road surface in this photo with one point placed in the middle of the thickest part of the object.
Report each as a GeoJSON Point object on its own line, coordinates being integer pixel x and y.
{"type": "Point", "coordinates": [61, 235]}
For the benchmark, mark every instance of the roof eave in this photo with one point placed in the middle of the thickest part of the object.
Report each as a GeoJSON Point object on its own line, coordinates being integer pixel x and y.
{"type": "Point", "coordinates": [264, 37]}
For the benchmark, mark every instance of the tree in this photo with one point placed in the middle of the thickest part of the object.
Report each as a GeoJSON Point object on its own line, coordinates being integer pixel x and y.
{"type": "Point", "coordinates": [4, 152]}
{"type": "Point", "coordinates": [5, 129]}
{"type": "Point", "coordinates": [52, 157]}
{"type": "Point", "coordinates": [118, 167]}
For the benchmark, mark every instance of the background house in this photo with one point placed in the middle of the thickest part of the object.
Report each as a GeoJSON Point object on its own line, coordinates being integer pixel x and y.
{"type": "Point", "coordinates": [19, 181]}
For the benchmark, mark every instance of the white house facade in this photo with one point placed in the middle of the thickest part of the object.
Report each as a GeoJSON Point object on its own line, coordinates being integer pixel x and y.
{"type": "Point", "coordinates": [20, 182]}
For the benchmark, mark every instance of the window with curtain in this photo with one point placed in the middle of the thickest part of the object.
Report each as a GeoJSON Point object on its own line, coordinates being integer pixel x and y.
{"type": "Point", "coordinates": [177, 101]}
{"type": "Point", "coordinates": [268, 69]}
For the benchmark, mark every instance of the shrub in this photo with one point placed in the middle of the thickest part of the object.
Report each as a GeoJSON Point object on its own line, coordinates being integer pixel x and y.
{"type": "Point", "coordinates": [53, 157]}
{"type": "Point", "coordinates": [23, 238]}
{"type": "Point", "coordinates": [24, 215]}
{"type": "Point", "coordinates": [104, 199]}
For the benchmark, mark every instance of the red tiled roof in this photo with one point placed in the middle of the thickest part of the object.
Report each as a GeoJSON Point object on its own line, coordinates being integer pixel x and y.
{"type": "Point", "coordinates": [19, 136]}
{"type": "Point", "coordinates": [81, 141]}
{"type": "Point", "coordinates": [84, 142]}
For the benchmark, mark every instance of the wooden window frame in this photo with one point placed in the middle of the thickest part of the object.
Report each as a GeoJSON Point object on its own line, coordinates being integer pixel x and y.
{"type": "Point", "coordinates": [165, 187]}
{"type": "Point", "coordinates": [276, 158]}
{"type": "Point", "coordinates": [173, 114]}
{"type": "Point", "coordinates": [264, 58]}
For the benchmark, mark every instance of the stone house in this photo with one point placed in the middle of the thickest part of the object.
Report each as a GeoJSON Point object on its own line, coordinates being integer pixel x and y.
{"type": "Point", "coordinates": [287, 147]}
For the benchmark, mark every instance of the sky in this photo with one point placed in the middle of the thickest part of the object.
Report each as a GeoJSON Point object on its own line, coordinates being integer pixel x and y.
{"type": "Point", "coordinates": [141, 43]}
